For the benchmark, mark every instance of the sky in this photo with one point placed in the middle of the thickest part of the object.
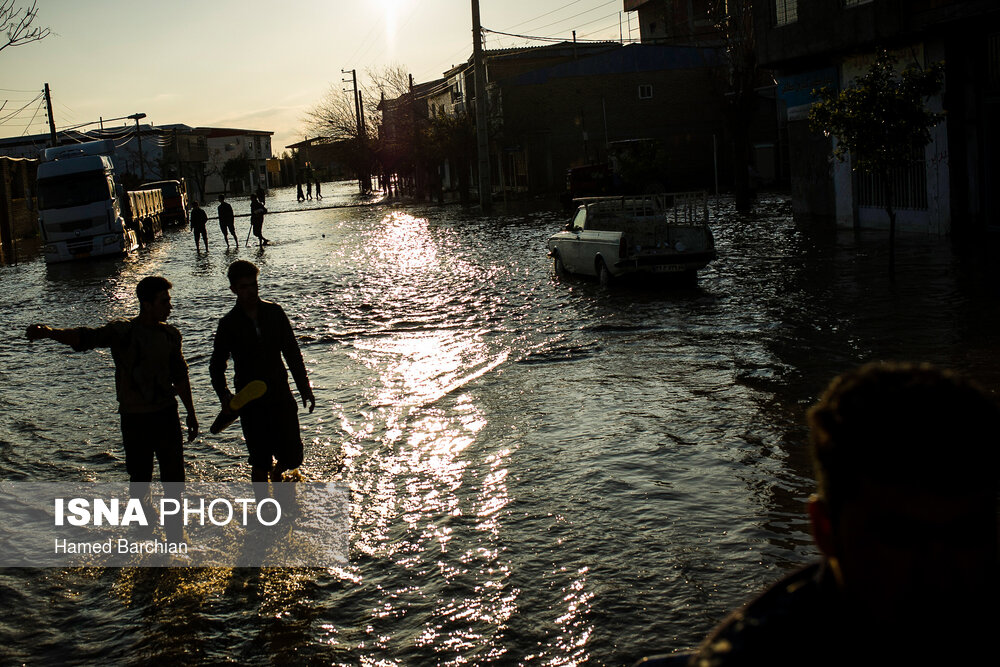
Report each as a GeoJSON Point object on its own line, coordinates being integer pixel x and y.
{"type": "Point", "coordinates": [252, 64]}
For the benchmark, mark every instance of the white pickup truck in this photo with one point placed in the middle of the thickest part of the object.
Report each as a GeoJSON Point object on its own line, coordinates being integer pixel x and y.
{"type": "Point", "coordinates": [656, 234]}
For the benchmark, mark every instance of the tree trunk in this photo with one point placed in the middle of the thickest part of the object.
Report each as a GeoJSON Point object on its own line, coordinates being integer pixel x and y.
{"type": "Point", "coordinates": [464, 181]}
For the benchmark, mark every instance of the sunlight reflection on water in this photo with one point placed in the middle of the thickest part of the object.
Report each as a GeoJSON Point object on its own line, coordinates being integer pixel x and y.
{"type": "Point", "coordinates": [541, 470]}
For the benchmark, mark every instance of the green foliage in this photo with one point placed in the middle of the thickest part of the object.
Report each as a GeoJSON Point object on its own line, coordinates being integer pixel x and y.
{"type": "Point", "coordinates": [449, 136]}
{"type": "Point", "coordinates": [881, 118]}
{"type": "Point", "coordinates": [236, 169]}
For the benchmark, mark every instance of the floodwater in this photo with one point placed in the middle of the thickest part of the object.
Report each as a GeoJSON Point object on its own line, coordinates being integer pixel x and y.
{"type": "Point", "coordinates": [542, 470]}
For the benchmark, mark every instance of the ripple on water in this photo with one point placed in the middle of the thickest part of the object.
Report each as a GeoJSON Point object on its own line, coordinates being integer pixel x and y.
{"type": "Point", "coordinates": [540, 468]}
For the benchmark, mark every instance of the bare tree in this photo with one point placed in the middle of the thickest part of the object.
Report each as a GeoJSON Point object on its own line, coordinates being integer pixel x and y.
{"type": "Point", "coordinates": [334, 116]}
{"type": "Point", "coordinates": [391, 81]}
{"type": "Point", "coordinates": [17, 22]}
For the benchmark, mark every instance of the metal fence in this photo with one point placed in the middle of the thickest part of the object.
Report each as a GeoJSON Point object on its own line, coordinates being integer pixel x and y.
{"type": "Point", "coordinates": [909, 187]}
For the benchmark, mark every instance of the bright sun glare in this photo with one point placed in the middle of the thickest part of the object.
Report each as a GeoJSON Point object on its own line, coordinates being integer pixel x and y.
{"type": "Point", "coordinates": [391, 10]}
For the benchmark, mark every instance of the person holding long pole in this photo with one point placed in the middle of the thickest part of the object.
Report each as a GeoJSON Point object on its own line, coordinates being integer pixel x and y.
{"type": "Point", "coordinates": [257, 212]}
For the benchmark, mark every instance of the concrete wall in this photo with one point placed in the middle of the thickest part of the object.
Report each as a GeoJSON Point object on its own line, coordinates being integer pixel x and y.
{"type": "Point", "coordinates": [936, 218]}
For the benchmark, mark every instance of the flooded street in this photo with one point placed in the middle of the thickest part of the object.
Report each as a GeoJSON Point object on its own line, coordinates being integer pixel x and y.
{"type": "Point", "coordinates": [542, 470]}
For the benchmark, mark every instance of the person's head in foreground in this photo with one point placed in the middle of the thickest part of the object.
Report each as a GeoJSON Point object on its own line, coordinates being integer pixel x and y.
{"type": "Point", "coordinates": [905, 512]}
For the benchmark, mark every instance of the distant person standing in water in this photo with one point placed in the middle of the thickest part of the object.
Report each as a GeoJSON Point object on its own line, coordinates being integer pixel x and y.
{"type": "Point", "coordinates": [198, 221]}
{"type": "Point", "coordinates": [301, 196]}
{"type": "Point", "coordinates": [257, 334]}
{"type": "Point", "coordinates": [149, 372]}
{"type": "Point", "coordinates": [227, 221]}
{"type": "Point", "coordinates": [318, 194]}
{"type": "Point", "coordinates": [257, 212]}
{"type": "Point", "coordinates": [309, 190]}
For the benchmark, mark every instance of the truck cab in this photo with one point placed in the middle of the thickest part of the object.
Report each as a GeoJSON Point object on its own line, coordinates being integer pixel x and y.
{"type": "Point", "coordinates": [79, 203]}
{"type": "Point", "coordinates": [175, 200]}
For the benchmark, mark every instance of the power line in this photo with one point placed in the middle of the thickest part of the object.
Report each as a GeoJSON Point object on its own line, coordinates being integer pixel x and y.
{"type": "Point", "coordinates": [551, 39]}
{"type": "Point", "coordinates": [518, 25]}
{"type": "Point", "coordinates": [12, 114]}
{"type": "Point", "coordinates": [592, 9]}
{"type": "Point", "coordinates": [32, 118]}
{"type": "Point", "coordinates": [584, 25]}
{"type": "Point", "coordinates": [465, 49]}
{"type": "Point", "coordinates": [607, 27]}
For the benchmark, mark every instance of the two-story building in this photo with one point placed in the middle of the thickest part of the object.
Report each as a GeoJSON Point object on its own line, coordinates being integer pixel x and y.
{"type": "Point", "coordinates": [225, 144]}
{"type": "Point", "coordinates": [151, 153]}
{"type": "Point", "coordinates": [573, 113]}
{"type": "Point", "coordinates": [673, 22]}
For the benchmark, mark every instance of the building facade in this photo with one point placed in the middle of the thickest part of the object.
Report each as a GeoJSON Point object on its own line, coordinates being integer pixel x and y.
{"type": "Point", "coordinates": [672, 22]}
{"type": "Point", "coordinates": [236, 160]}
{"type": "Point", "coordinates": [578, 112]}
{"type": "Point", "coordinates": [952, 186]}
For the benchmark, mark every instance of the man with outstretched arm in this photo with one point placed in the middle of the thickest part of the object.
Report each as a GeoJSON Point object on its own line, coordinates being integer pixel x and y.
{"type": "Point", "coordinates": [149, 372]}
{"type": "Point", "coordinates": [257, 334]}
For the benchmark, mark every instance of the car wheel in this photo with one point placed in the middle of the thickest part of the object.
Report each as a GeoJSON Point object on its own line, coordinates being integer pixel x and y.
{"type": "Point", "coordinates": [603, 275]}
{"type": "Point", "coordinates": [558, 266]}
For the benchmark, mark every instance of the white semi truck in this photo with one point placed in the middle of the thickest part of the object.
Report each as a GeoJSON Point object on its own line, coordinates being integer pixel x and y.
{"type": "Point", "coordinates": [83, 210]}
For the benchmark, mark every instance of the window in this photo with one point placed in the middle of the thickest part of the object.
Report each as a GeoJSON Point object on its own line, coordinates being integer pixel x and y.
{"type": "Point", "coordinates": [786, 11]}
{"type": "Point", "coordinates": [73, 190]}
{"type": "Point", "coordinates": [645, 91]}
{"type": "Point", "coordinates": [909, 186]}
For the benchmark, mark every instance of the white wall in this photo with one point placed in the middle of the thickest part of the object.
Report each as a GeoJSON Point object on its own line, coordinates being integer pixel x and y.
{"type": "Point", "coordinates": [937, 218]}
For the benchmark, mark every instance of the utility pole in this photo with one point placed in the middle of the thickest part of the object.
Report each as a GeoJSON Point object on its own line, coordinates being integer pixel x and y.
{"type": "Point", "coordinates": [52, 121]}
{"type": "Point", "coordinates": [364, 180]}
{"type": "Point", "coordinates": [482, 135]}
{"type": "Point", "coordinates": [361, 112]}
{"type": "Point", "coordinates": [177, 155]}
{"type": "Point", "coordinates": [142, 167]}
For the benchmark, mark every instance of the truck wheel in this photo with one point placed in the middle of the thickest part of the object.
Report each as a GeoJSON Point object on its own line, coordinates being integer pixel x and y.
{"type": "Point", "coordinates": [558, 266]}
{"type": "Point", "coordinates": [603, 275]}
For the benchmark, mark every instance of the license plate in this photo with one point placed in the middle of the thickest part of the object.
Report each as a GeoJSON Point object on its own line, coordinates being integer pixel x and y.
{"type": "Point", "coordinates": [667, 268]}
